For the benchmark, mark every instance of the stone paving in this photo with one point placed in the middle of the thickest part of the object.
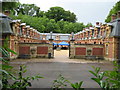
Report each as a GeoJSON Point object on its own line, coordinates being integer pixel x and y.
{"type": "Point", "coordinates": [75, 70]}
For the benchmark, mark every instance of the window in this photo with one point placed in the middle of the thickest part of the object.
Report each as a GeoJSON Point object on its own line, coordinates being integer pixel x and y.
{"type": "Point", "coordinates": [94, 42]}
{"type": "Point", "coordinates": [100, 43]}
{"type": "Point", "coordinates": [106, 49]}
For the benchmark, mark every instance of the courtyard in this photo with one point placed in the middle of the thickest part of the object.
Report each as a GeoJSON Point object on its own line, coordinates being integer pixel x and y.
{"type": "Point", "coordinates": [75, 70]}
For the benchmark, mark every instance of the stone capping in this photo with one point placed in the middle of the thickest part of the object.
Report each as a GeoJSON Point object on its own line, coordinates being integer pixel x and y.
{"type": "Point", "coordinates": [33, 43]}
{"type": "Point", "coordinates": [89, 44]}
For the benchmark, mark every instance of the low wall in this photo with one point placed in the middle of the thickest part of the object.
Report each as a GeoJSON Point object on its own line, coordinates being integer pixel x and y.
{"type": "Point", "coordinates": [86, 51]}
{"type": "Point", "coordinates": [36, 50]}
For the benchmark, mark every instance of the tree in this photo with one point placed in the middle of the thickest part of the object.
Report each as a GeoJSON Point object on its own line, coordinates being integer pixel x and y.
{"type": "Point", "coordinates": [52, 26]}
{"type": "Point", "coordinates": [9, 5]}
{"type": "Point", "coordinates": [55, 13]}
{"type": "Point", "coordinates": [70, 17]}
{"type": "Point", "coordinates": [28, 9]}
{"type": "Point", "coordinates": [89, 24]}
{"type": "Point", "coordinates": [114, 10]}
{"type": "Point", "coordinates": [59, 14]}
{"type": "Point", "coordinates": [41, 14]}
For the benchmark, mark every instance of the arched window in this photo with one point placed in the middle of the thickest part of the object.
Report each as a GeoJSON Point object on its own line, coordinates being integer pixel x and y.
{"type": "Point", "coordinates": [100, 43]}
{"type": "Point", "coordinates": [106, 49]}
{"type": "Point", "coordinates": [94, 42]}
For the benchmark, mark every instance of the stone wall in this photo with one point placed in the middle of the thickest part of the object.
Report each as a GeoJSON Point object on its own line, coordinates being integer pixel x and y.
{"type": "Point", "coordinates": [35, 50]}
{"type": "Point", "coordinates": [87, 51]}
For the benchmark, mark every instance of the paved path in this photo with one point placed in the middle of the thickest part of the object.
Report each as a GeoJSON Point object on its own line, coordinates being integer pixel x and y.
{"type": "Point", "coordinates": [74, 70]}
{"type": "Point", "coordinates": [59, 56]}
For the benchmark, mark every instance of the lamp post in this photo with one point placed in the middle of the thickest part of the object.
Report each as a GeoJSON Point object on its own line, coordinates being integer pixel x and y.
{"type": "Point", "coordinates": [51, 36]}
{"type": "Point", "coordinates": [50, 53]}
{"type": "Point", "coordinates": [72, 39]}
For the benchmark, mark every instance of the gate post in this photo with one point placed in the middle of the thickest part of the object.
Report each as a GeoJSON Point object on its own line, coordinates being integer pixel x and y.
{"type": "Point", "coordinates": [50, 51]}
{"type": "Point", "coordinates": [72, 49]}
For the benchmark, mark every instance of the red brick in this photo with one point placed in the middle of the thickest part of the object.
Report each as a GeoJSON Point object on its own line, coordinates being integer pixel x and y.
{"type": "Point", "coordinates": [42, 50]}
{"type": "Point", "coordinates": [24, 50]}
{"type": "Point", "coordinates": [80, 51]}
{"type": "Point", "coordinates": [97, 51]}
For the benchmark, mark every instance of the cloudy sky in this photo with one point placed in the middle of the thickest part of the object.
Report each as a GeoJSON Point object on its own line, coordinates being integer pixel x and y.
{"type": "Point", "coordinates": [85, 10]}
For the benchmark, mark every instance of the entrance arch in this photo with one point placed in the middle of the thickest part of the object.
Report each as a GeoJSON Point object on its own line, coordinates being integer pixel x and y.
{"type": "Point", "coordinates": [61, 49]}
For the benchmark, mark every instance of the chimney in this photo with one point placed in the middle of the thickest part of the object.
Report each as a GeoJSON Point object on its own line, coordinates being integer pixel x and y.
{"type": "Point", "coordinates": [118, 14]}
{"type": "Point", "coordinates": [6, 12]}
{"type": "Point", "coordinates": [113, 17]}
{"type": "Point", "coordinates": [97, 23]}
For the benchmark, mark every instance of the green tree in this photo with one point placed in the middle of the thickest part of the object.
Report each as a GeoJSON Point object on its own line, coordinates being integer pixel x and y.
{"type": "Point", "coordinates": [41, 14]}
{"type": "Point", "coordinates": [70, 17]}
{"type": "Point", "coordinates": [52, 26]}
{"type": "Point", "coordinates": [59, 14]}
{"type": "Point", "coordinates": [6, 5]}
{"type": "Point", "coordinates": [28, 9]}
{"type": "Point", "coordinates": [73, 27]}
{"type": "Point", "coordinates": [89, 24]}
{"type": "Point", "coordinates": [114, 10]}
{"type": "Point", "coordinates": [55, 13]}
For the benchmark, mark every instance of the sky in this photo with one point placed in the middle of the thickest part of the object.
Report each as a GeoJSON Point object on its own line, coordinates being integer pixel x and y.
{"type": "Point", "coordinates": [86, 11]}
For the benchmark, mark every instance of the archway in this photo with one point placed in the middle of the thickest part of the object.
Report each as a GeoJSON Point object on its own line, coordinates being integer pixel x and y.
{"type": "Point", "coordinates": [61, 50]}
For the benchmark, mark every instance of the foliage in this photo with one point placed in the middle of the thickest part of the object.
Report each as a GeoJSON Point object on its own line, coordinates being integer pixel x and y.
{"type": "Point", "coordinates": [114, 10]}
{"type": "Point", "coordinates": [70, 17]}
{"type": "Point", "coordinates": [99, 78]}
{"type": "Point", "coordinates": [23, 82]}
{"type": "Point", "coordinates": [60, 82]}
{"type": "Point", "coordinates": [59, 14]}
{"type": "Point", "coordinates": [6, 5]}
{"type": "Point", "coordinates": [107, 79]}
{"type": "Point", "coordinates": [19, 82]}
{"type": "Point", "coordinates": [113, 77]}
{"type": "Point", "coordinates": [56, 19]}
{"type": "Point", "coordinates": [27, 9]}
{"type": "Point", "coordinates": [5, 67]}
{"type": "Point", "coordinates": [89, 25]}
{"type": "Point", "coordinates": [45, 25]}
{"type": "Point", "coordinates": [77, 86]}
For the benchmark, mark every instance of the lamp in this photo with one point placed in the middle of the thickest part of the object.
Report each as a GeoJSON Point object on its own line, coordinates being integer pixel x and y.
{"type": "Point", "coordinates": [51, 35]}
{"type": "Point", "coordinates": [72, 36]}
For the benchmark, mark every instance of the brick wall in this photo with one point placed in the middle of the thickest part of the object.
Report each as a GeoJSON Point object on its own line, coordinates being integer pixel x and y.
{"type": "Point", "coordinates": [110, 51]}
{"type": "Point", "coordinates": [12, 47]}
{"type": "Point", "coordinates": [97, 51]}
{"type": "Point", "coordinates": [24, 50]}
{"type": "Point", "coordinates": [118, 52]}
{"type": "Point", "coordinates": [80, 51]}
{"type": "Point", "coordinates": [42, 50]}
{"type": "Point", "coordinates": [87, 51]}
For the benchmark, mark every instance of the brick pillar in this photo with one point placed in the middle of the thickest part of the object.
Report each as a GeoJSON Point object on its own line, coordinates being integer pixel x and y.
{"type": "Point", "coordinates": [115, 42]}
{"type": "Point", "coordinates": [33, 51]}
{"type": "Point", "coordinates": [72, 49]}
{"type": "Point", "coordinates": [50, 49]}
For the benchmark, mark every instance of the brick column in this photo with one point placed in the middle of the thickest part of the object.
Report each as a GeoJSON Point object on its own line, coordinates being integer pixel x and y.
{"type": "Point", "coordinates": [115, 48]}
{"type": "Point", "coordinates": [50, 49]}
{"type": "Point", "coordinates": [72, 49]}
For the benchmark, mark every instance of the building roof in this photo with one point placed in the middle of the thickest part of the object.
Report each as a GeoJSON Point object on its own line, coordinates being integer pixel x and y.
{"type": "Point", "coordinates": [116, 28]}
{"type": "Point", "coordinates": [5, 22]}
{"type": "Point", "coordinates": [55, 34]}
